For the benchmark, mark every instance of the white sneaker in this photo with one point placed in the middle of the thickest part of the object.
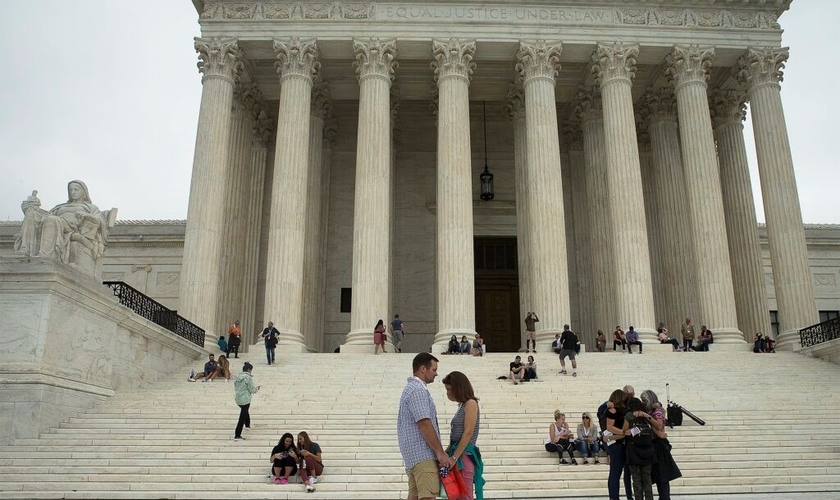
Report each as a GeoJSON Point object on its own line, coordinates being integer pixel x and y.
{"type": "Point", "coordinates": [190, 379]}
{"type": "Point", "coordinates": [313, 480]}
{"type": "Point", "coordinates": [310, 489]}
{"type": "Point", "coordinates": [574, 374]}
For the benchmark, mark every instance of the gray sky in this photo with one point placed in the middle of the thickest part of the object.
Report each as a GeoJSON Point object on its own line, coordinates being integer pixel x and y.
{"type": "Point", "coordinates": [107, 91]}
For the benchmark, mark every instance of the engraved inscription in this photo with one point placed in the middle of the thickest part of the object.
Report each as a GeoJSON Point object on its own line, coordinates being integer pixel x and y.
{"type": "Point", "coordinates": [496, 13]}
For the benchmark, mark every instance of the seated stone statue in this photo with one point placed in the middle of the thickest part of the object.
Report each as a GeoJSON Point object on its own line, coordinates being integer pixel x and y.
{"type": "Point", "coordinates": [75, 232]}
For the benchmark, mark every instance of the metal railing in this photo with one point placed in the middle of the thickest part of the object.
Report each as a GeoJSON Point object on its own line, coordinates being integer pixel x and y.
{"type": "Point", "coordinates": [819, 333]}
{"type": "Point", "coordinates": [156, 312]}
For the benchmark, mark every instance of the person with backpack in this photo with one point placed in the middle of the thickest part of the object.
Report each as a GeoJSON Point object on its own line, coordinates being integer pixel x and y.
{"type": "Point", "coordinates": [640, 455]}
{"type": "Point", "coordinates": [665, 469]}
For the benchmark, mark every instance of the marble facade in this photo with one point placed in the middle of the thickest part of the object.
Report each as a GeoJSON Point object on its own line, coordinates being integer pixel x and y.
{"type": "Point", "coordinates": [346, 140]}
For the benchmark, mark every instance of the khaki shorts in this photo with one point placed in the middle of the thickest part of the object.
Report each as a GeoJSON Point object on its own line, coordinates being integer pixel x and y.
{"type": "Point", "coordinates": [530, 335]}
{"type": "Point", "coordinates": [424, 480]}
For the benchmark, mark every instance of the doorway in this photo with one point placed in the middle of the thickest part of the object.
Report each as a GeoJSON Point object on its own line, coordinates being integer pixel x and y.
{"type": "Point", "coordinates": [497, 293]}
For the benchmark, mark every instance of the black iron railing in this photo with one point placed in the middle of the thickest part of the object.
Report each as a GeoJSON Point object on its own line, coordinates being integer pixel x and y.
{"type": "Point", "coordinates": [156, 312]}
{"type": "Point", "coordinates": [819, 333]}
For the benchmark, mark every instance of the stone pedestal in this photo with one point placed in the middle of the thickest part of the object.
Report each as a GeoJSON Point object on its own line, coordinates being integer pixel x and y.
{"type": "Point", "coordinates": [761, 69]}
{"type": "Point", "coordinates": [220, 63]}
{"type": "Point", "coordinates": [538, 64]}
{"type": "Point", "coordinates": [688, 69]}
{"type": "Point", "coordinates": [455, 268]}
{"type": "Point", "coordinates": [67, 345]}
{"type": "Point", "coordinates": [615, 66]}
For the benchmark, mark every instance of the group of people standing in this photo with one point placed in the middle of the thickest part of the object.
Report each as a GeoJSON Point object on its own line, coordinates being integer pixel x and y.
{"type": "Point", "coordinates": [419, 438]}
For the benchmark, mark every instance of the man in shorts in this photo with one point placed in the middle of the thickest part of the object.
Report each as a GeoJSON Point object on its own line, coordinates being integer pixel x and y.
{"type": "Point", "coordinates": [568, 347]}
{"type": "Point", "coordinates": [418, 433]}
{"type": "Point", "coordinates": [397, 332]}
{"type": "Point", "coordinates": [531, 331]}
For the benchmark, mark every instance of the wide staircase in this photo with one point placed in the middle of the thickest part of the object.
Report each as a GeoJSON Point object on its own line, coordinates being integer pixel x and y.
{"type": "Point", "coordinates": [772, 422]}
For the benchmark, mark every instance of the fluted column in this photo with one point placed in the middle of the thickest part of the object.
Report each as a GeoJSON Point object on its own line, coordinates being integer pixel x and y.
{"type": "Point", "coordinates": [589, 111]}
{"type": "Point", "coordinates": [651, 216]}
{"type": "Point", "coordinates": [675, 241]}
{"type": "Point", "coordinates": [330, 130]}
{"type": "Point", "coordinates": [231, 262]}
{"type": "Point", "coordinates": [615, 66]}
{"type": "Point", "coordinates": [688, 69]}
{"type": "Point", "coordinates": [538, 65]}
{"type": "Point", "coordinates": [762, 69]}
{"type": "Point", "coordinates": [516, 111]}
{"type": "Point", "coordinates": [728, 112]}
{"type": "Point", "coordinates": [297, 66]}
{"type": "Point", "coordinates": [312, 289]}
{"type": "Point", "coordinates": [262, 135]}
{"type": "Point", "coordinates": [573, 137]}
{"type": "Point", "coordinates": [375, 64]}
{"type": "Point", "coordinates": [453, 68]}
{"type": "Point", "coordinates": [220, 64]}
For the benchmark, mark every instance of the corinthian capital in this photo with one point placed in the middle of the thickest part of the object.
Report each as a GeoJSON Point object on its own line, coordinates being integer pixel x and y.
{"type": "Point", "coordinates": [263, 126]}
{"type": "Point", "coordinates": [689, 64]}
{"type": "Point", "coordinates": [375, 58]}
{"type": "Point", "coordinates": [573, 135]}
{"type": "Point", "coordinates": [219, 57]}
{"type": "Point", "coordinates": [515, 102]}
{"type": "Point", "coordinates": [614, 62]}
{"type": "Point", "coordinates": [538, 60]}
{"type": "Point", "coordinates": [453, 59]}
{"type": "Point", "coordinates": [297, 58]}
{"type": "Point", "coordinates": [588, 104]}
{"type": "Point", "coordinates": [763, 66]}
{"type": "Point", "coordinates": [321, 104]}
{"type": "Point", "coordinates": [658, 104]}
{"type": "Point", "coordinates": [728, 107]}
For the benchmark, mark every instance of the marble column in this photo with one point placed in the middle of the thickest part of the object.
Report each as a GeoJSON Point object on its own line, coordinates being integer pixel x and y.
{"type": "Point", "coordinates": [651, 218]}
{"type": "Point", "coordinates": [688, 69]}
{"type": "Point", "coordinates": [453, 69]}
{"type": "Point", "coordinates": [220, 64]}
{"type": "Point", "coordinates": [312, 288]}
{"type": "Point", "coordinates": [659, 112]}
{"type": "Point", "coordinates": [761, 69]}
{"type": "Point", "coordinates": [515, 106]}
{"type": "Point", "coordinates": [330, 131]}
{"type": "Point", "coordinates": [231, 261]}
{"type": "Point", "coordinates": [261, 137]}
{"type": "Point", "coordinates": [582, 226]}
{"type": "Point", "coordinates": [728, 113]}
{"type": "Point", "coordinates": [375, 65]}
{"type": "Point", "coordinates": [589, 112]}
{"type": "Point", "coordinates": [615, 67]}
{"type": "Point", "coordinates": [297, 64]}
{"type": "Point", "coordinates": [538, 64]}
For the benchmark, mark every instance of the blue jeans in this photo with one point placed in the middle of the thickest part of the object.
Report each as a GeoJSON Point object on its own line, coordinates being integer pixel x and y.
{"type": "Point", "coordinates": [589, 449]}
{"type": "Point", "coordinates": [269, 354]}
{"type": "Point", "coordinates": [618, 464]}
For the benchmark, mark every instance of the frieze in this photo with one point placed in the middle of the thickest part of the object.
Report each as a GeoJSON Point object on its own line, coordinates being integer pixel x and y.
{"type": "Point", "coordinates": [407, 12]}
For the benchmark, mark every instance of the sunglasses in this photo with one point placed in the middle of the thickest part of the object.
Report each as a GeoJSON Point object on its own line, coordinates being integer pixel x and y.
{"type": "Point", "coordinates": [587, 418]}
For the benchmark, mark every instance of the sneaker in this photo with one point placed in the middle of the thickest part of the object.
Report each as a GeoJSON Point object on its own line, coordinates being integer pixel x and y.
{"type": "Point", "coordinates": [284, 481]}
{"type": "Point", "coordinates": [276, 480]}
{"type": "Point", "coordinates": [574, 462]}
{"type": "Point", "coordinates": [574, 374]}
{"type": "Point", "coordinates": [563, 372]}
{"type": "Point", "coordinates": [204, 380]}
{"type": "Point", "coordinates": [585, 462]}
{"type": "Point", "coordinates": [310, 489]}
{"type": "Point", "coordinates": [190, 379]}
{"type": "Point", "coordinates": [313, 480]}
{"type": "Point", "coordinates": [535, 351]}
{"type": "Point", "coordinates": [238, 438]}
{"type": "Point", "coordinates": [596, 462]}
{"type": "Point", "coordinates": [563, 461]}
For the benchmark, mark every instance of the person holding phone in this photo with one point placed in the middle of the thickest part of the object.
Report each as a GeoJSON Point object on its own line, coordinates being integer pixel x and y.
{"type": "Point", "coordinates": [284, 459]}
{"type": "Point", "coordinates": [244, 389]}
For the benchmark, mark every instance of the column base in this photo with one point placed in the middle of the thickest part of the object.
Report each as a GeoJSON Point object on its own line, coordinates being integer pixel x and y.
{"type": "Point", "coordinates": [291, 341]}
{"type": "Point", "coordinates": [728, 336]}
{"type": "Point", "coordinates": [361, 342]}
{"type": "Point", "coordinates": [788, 341]}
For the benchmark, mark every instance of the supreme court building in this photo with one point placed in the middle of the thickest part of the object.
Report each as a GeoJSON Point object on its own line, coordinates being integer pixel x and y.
{"type": "Point", "coordinates": [340, 144]}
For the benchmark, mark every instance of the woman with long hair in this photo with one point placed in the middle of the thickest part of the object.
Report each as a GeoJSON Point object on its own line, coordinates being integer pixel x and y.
{"type": "Point", "coordinates": [223, 367]}
{"type": "Point", "coordinates": [284, 459]}
{"type": "Point", "coordinates": [561, 439]}
{"type": "Point", "coordinates": [665, 469]}
{"type": "Point", "coordinates": [589, 441]}
{"type": "Point", "coordinates": [614, 437]}
{"type": "Point", "coordinates": [311, 465]}
{"type": "Point", "coordinates": [379, 337]}
{"type": "Point", "coordinates": [466, 423]}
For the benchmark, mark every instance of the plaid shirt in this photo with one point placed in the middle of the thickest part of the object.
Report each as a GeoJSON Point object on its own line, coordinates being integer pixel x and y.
{"type": "Point", "coordinates": [416, 404]}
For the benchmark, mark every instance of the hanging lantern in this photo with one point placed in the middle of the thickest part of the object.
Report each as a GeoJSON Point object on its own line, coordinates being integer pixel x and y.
{"type": "Point", "coordinates": [486, 177]}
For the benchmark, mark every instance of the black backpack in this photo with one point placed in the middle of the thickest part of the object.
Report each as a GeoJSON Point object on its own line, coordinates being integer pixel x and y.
{"type": "Point", "coordinates": [675, 415]}
{"type": "Point", "coordinates": [644, 436]}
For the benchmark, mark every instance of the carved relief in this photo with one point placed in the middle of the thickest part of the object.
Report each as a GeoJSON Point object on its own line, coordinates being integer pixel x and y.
{"type": "Point", "coordinates": [297, 58]}
{"type": "Point", "coordinates": [825, 280]}
{"type": "Point", "coordinates": [375, 57]}
{"type": "Point", "coordinates": [763, 66]}
{"type": "Point", "coordinates": [671, 17]}
{"type": "Point", "coordinates": [358, 11]}
{"type": "Point", "coordinates": [317, 11]}
{"type": "Point", "coordinates": [708, 18]}
{"type": "Point", "coordinates": [274, 11]}
{"type": "Point", "coordinates": [218, 57]}
{"type": "Point", "coordinates": [239, 11]}
{"type": "Point", "coordinates": [689, 64]}
{"type": "Point", "coordinates": [167, 279]}
{"type": "Point", "coordinates": [451, 58]}
{"type": "Point", "coordinates": [113, 276]}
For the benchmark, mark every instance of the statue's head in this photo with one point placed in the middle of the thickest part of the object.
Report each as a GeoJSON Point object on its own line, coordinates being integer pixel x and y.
{"type": "Point", "coordinates": [77, 191]}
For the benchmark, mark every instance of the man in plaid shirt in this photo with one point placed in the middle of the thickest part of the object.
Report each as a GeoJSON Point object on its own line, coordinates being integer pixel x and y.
{"type": "Point", "coordinates": [418, 432]}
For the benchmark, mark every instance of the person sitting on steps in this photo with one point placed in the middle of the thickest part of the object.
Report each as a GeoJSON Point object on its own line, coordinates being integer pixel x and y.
{"type": "Point", "coordinates": [633, 339]}
{"type": "Point", "coordinates": [560, 438]}
{"type": "Point", "coordinates": [517, 370]}
{"type": "Point", "coordinates": [284, 459]}
{"type": "Point", "coordinates": [311, 465]}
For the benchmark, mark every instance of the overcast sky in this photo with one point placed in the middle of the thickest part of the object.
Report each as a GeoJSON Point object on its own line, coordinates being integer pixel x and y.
{"type": "Point", "coordinates": [107, 91]}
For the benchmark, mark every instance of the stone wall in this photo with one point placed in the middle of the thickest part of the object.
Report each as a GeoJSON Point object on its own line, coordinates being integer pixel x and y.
{"type": "Point", "coordinates": [67, 344]}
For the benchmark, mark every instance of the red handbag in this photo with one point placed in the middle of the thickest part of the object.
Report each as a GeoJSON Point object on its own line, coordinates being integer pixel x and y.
{"type": "Point", "coordinates": [453, 484]}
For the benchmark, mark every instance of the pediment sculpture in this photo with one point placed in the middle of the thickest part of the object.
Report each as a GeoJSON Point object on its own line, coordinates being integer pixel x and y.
{"type": "Point", "coordinates": [75, 232]}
